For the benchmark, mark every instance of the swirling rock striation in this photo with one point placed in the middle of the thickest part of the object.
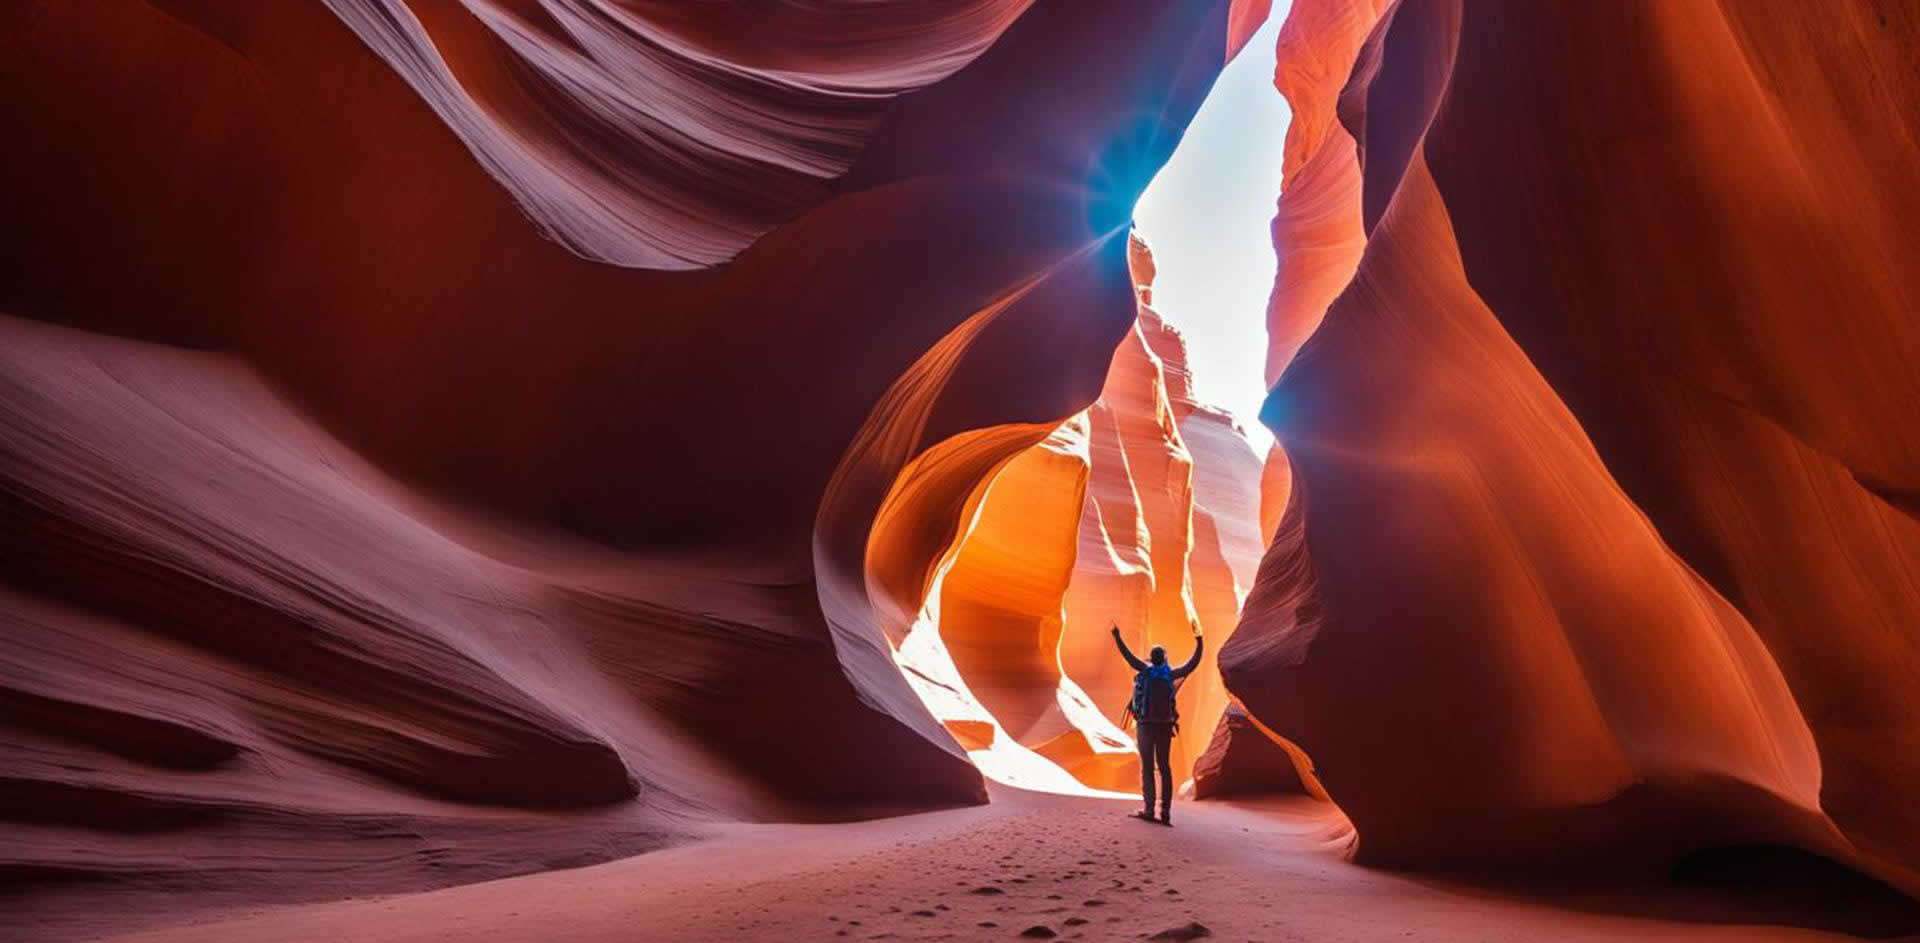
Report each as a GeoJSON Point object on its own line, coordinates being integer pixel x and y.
{"type": "Point", "coordinates": [1109, 520]}
{"type": "Point", "coordinates": [1598, 550]}
{"type": "Point", "coordinates": [353, 496]}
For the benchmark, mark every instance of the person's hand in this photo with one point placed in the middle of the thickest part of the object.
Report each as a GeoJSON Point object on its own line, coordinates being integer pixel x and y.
{"type": "Point", "coordinates": [1116, 628]}
{"type": "Point", "coordinates": [1196, 629]}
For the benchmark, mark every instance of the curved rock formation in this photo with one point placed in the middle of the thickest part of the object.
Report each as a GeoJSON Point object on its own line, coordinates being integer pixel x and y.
{"type": "Point", "coordinates": [1109, 520]}
{"type": "Point", "coordinates": [1142, 485]}
{"type": "Point", "coordinates": [1169, 537]}
{"type": "Point", "coordinates": [1000, 610]}
{"type": "Point", "coordinates": [392, 498]}
{"type": "Point", "coordinates": [644, 135]}
{"type": "Point", "coordinates": [1242, 759]}
{"type": "Point", "coordinates": [439, 440]}
{"type": "Point", "coordinates": [1601, 546]}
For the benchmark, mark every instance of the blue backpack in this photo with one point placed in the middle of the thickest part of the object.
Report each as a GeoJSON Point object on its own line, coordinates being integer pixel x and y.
{"type": "Point", "coordinates": [1153, 695]}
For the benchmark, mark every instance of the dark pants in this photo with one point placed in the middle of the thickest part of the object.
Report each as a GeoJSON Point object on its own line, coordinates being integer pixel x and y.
{"type": "Point", "coordinates": [1156, 752]}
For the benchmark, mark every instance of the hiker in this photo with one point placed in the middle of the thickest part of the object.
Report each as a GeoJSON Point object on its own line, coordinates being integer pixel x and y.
{"type": "Point", "coordinates": [1156, 718]}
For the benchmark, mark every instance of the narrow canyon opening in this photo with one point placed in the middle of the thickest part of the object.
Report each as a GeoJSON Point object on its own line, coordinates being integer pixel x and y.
{"type": "Point", "coordinates": [1144, 511]}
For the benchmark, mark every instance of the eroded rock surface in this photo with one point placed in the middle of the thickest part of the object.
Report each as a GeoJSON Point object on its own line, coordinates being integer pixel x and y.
{"type": "Point", "coordinates": [1597, 547]}
{"type": "Point", "coordinates": [384, 449]}
{"type": "Point", "coordinates": [1242, 759]}
{"type": "Point", "coordinates": [1112, 519]}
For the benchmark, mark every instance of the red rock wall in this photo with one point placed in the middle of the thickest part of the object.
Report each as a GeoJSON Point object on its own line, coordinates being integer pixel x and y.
{"type": "Point", "coordinates": [1242, 759]}
{"type": "Point", "coordinates": [1602, 543]}
{"type": "Point", "coordinates": [322, 394]}
{"type": "Point", "coordinates": [1317, 236]}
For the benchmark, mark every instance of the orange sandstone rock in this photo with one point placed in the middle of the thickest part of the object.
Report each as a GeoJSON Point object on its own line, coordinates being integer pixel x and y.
{"type": "Point", "coordinates": [1598, 548]}
{"type": "Point", "coordinates": [385, 454]}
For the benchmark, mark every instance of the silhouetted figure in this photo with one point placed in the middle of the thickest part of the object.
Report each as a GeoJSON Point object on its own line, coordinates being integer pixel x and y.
{"type": "Point", "coordinates": [1156, 718]}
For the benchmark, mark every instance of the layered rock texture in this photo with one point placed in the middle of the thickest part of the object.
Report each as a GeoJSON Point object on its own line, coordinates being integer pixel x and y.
{"type": "Point", "coordinates": [470, 429]}
{"type": "Point", "coordinates": [439, 440]}
{"type": "Point", "coordinates": [1602, 543]}
{"type": "Point", "coordinates": [1143, 513]}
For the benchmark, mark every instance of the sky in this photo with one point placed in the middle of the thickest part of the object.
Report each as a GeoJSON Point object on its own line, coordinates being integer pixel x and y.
{"type": "Point", "coordinates": [1207, 217]}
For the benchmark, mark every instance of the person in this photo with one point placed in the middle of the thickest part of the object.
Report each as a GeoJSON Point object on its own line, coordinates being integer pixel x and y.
{"type": "Point", "coordinates": [1157, 718]}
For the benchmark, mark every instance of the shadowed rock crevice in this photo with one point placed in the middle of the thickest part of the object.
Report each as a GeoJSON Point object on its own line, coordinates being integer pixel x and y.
{"type": "Point", "coordinates": [1792, 886]}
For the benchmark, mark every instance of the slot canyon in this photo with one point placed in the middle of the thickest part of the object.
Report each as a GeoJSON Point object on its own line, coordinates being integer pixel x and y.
{"type": "Point", "coordinates": [645, 470]}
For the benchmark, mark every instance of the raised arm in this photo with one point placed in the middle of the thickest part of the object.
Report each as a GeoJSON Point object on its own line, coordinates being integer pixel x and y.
{"type": "Point", "coordinates": [1199, 646]}
{"type": "Point", "coordinates": [1126, 653]}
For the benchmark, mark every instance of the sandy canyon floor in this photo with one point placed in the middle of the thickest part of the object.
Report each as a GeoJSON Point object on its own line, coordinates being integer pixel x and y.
{"type": "Point", "coordinates": [1078, 867]}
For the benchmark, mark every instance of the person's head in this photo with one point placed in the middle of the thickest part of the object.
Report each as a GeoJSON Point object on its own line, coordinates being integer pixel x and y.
{"type": "Point", "coordinates": [1158, 655]}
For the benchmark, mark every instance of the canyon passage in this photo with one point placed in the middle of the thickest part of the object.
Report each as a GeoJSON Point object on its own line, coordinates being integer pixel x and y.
{"type": "Point", "coordinates": [614, 469]}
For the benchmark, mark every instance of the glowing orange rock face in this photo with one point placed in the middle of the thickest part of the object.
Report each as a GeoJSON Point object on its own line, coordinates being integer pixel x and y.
{"type": "Point", "coordinates": [1317, 236]}
{"type": "Point", "coordinates": [1000, 608]}
{"type": "Point", "coordinates": [1109, 520]}
{"type": "Point", "coordinates": [1601, 544]}
{"type": "Point", "coordinates": [1149, 489]}
{"type": "Point", "coordinates": [1112, 520]}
